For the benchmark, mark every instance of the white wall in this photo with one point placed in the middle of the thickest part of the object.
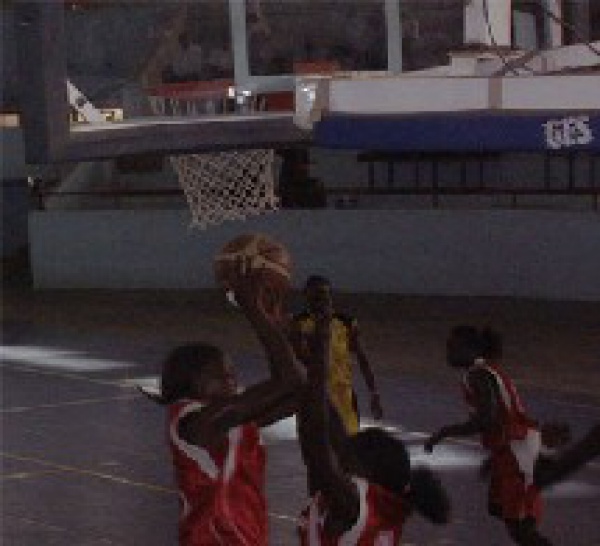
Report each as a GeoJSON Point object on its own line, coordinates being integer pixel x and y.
{"type": "Point", "coordinates": [413, 94]}
{"type": "Point", "coordinates": [537, 254]}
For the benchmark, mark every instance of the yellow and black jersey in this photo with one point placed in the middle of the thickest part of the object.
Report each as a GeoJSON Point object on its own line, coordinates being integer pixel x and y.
{"type": "Point", "coordinates": [343, 328]}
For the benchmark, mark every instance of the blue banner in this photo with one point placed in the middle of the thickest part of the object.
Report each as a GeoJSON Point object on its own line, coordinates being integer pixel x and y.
{"type": "Point", "coordinates": [461, 132]}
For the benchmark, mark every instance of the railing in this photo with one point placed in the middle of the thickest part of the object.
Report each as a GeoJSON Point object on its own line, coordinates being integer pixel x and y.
{"type": "Point", "coordinates": [352, 194]}
{"type": "Point", "coordinates": [340, 197]}
{"type": "Point", "coordinates": [463, 187]}
{"type": "Point", "coordinates": [475, 176]}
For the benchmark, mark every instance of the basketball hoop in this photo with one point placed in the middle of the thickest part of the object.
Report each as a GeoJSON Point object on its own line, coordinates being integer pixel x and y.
{"type": "Point", "coordinates": [218, 186]}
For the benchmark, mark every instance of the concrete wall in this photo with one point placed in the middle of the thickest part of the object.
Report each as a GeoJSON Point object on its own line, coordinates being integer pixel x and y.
{"type": "Point", "coordinates": [537, 254]}
{"type": "Point", "coordinates": [14, 193]}
{"type": "Point", "coordinates": [14, 207]}
{"type": "Point", "coordinates": [12, 161]}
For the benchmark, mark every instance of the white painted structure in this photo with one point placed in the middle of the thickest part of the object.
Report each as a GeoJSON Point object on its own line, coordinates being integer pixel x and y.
{"type": "Point", "coordinates": [435, 93]}
{"type": "Point", "coordinates": [488, 22]}
{"type": "Point", "coordinates": [491, 22]}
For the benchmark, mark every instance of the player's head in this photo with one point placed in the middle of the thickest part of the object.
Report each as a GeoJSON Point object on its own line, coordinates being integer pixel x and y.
{"type": "Point", "coordinates": [463, 346]}
{"type": "Point", "coordinates": [492, 345]}
{"type": "Point", "coordinates": [196, 371]}
{"type": "Point", "coordinates": [382, 459]}
{"type": "Point", "coordinates": [319, 297]}
{"type": "Point", "coordinates": [466, 344]}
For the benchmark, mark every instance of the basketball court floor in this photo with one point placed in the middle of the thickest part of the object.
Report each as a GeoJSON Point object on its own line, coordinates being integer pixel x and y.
{"type": "Point", "coordinates": [83, 454]}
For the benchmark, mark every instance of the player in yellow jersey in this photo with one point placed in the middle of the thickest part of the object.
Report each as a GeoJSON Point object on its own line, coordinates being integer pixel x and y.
{"type": "Point", "coordinates": [345, 345]}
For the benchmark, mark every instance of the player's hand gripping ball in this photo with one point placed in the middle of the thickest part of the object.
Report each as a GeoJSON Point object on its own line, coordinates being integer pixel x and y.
{"type": "Point", "coordinates": [260, 260]}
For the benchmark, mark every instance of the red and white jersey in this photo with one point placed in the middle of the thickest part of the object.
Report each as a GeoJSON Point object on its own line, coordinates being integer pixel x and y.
{"type": "Point", "coordinates": [515, 432]}
{"type": "Point", "coordinates": [222, 490]}
{"type": "Point", "coordinates": [380, 520]}
{"type": "Point", "coordinates": [514, 423]}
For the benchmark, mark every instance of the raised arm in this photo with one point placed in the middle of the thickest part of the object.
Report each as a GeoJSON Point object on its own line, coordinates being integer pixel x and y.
{"type": "Point", "coordinates": [299, 342]}
{"type": "Point", "coordinates": [366, 371]}
{"type": "Point", "coordinates": [481, 420]}
{"type": "Point", "coordinates": [271, 332]}
{"type": "Point", "coordinates": [336, 487]}
{"type": "Point", "coordinates": [264, 402]}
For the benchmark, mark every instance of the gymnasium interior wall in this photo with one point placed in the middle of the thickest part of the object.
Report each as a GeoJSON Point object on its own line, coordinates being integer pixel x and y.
{"type": "Point", "coordinates": [515, 253]}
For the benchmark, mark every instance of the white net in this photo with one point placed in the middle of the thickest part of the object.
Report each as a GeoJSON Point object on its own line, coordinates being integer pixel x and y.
{"type": "Point", "coordinates": [220, 186]}
{"type": "Point", "coordinates": [227, 185]}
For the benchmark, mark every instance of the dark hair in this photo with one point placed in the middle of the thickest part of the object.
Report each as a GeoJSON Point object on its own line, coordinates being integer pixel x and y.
{"type": "Point", "coordinates": [316, 280]}
{"type": "Point", "coordinates": [467, 343]}
{"type": "Point", "coordinates": [182, 366]}
{"type": "Point", "coordinates": [492, 343]}
{"type": "Point", "coordinates": [384, 461]}
{"type": "Point", "coordinates": [382, 457]}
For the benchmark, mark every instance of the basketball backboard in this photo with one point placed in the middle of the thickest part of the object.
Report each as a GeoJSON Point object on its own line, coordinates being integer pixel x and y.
{"type": "Point", "coordinates": [89, 70]}
{"type": "Point", "coordinates": [113, 54]}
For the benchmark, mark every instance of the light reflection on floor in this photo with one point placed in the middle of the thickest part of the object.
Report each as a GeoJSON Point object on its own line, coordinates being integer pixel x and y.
{"type": "Point", "coordinates": [149, 384]}
{"type": "Point", "coordinates": [572, 489]}
{"type": "Point", "coordinates": [446, 457]}
{"type": "Point", "coordinates": [59, 359]}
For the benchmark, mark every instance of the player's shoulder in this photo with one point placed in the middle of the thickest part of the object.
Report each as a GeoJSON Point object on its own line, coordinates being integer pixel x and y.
{"type": "Point", "coordinates": [485, 378]}
{"type": "Point", "coordinates": [488, 371]}
{"type": "Point", "coordinates": [182, 408]}
{"type": "Point", "coordinates": [384, 504]}
{"type": "Point", "coordinates": [250, 431]}
{"type": "Point", "coordinates": [477, 374]}
{"type": "Point", "coordinates": [300, 317]}
{"type": "Point", "coordinates": [301, 322]}
{"type": "Point", "coordinates": [347, 320]}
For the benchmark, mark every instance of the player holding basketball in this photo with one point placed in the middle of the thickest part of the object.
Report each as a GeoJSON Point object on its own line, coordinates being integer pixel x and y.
{"type": "Point", "coordinates": [365, 488]}
{"type": "Point", "coordinates": [345, 343]}
{"type": "Point", "coordinates": [512, 438]}
{"type": "Point", "coordinates": [214, 434]}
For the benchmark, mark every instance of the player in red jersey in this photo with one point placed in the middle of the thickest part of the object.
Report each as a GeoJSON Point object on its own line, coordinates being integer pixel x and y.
{"type": "Point", "coordinates": [513, 439]}
{"type": "Point", "coordinates": [364, 486]}
{"type": "Point", "coordinates": [214, 435]}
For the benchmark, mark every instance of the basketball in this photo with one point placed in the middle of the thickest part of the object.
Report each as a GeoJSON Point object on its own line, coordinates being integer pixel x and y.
{"type": "Point", "coordinates": [257, 253]}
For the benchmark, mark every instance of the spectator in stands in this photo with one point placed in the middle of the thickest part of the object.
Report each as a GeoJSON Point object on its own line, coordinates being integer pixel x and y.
{"type": "Point", "coordinates": [219, 62]}
{"type": "Point", "coordinates": [187, 63]}
{"type": "Point", "coordinates": [219, 58]}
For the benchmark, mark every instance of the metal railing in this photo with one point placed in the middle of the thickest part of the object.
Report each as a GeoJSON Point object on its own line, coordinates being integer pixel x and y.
{"type": "Point", "coordinates": [473, 180]}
